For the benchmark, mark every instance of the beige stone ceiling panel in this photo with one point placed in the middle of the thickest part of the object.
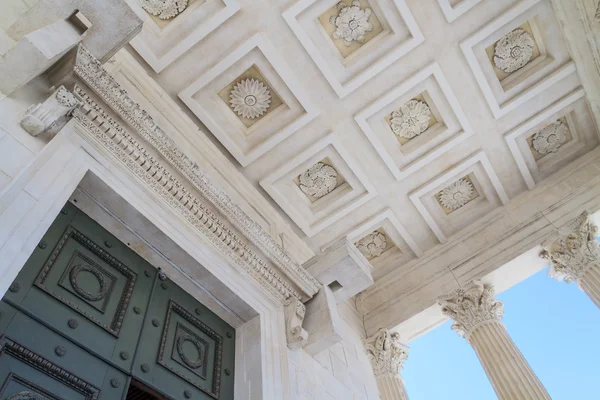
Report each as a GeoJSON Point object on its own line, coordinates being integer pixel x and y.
{"type": "Point", "coordinates": [251, 75]}
{"type": "Point", "coordinates": [453, 9]}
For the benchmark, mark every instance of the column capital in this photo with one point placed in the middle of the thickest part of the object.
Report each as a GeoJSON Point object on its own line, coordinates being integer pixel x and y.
{"type": "Point", "coordinates": [575, 251]}
{"type": "Point", "coordinates": [471, 306]}
{"type": "Point", "coordinates": [386, 352]}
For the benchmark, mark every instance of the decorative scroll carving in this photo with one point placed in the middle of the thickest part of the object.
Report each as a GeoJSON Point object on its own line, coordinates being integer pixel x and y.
{"type": "Point", "coordinates": [411, 119]}
{"type": "Point", "coordinates": [351, 23]}
{"type": "Point", "coordinates": [575, 251]}
{"type": "Point", "coordinates": [373, 245]}
{"type": "Point", "coordinates": [386, 352]}
{"type": "Point", "coordinates": [51, 115]}
{"type": "Point", "coordinates": [319, 180]}
{"type": "Point", "coordinates": [250, 98]}
{"type": "Point", "coordinates": [47, 367]}
{"type": "Point", "coordinates": [457, 194]}
{"type": "Point", "coordinates": [551, 138]}
{"type": "Point", "coordinates": [471, 307]}
{"type": "Point", "coordinates": [295, 311]}
{"type": "Point", "coordinates": [90, 70]}
{"type": "Point", "coordinates": [164, 9]}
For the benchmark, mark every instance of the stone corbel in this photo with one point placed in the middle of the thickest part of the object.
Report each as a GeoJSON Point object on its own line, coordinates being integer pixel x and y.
{"type": "Point", "coordinates": [51, 115]}
{"type": "Point", "coordinates": [295, 311]}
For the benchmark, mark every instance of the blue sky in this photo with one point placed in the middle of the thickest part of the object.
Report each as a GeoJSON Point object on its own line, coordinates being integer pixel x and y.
{"type": "Point", "coordinates": [556, 327]}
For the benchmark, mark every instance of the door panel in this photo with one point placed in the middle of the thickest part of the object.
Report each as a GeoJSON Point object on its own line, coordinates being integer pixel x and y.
{"type": "Point", "coordinates": [88, 285]}
{"type": "Point", "coordinates": [188, 352]}
{"type": "Point", "coordinates": [33, 359]}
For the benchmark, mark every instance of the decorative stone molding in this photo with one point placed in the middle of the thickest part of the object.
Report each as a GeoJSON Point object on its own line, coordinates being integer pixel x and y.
{"type": "Point", "coordinates": [319, 180]}
{"type": "Point", "coordinates": [351, 23]}
{"type": "Point", "coordinates": [91, 72]}
{"type": "Point", "coordinates": [111, 135]}
{"type": "Point", "coordinates": [51, 115]}
{"type": "Point", "coordinates": [457, 194]}
{"type": "Point", "coordinates": [513, 51]}
{"type": "Point", "coordinates": [575, 251]}
{"type": "Point", "coordinates": [386, 352]}
{"type": "Point", "coordinates": [295, 311]}
{"type": "Point", "coordinates": [471, 307]}
{"type": "Point", "coordinates": [551, 138]}
{"type": "Point", "coordinates": [164, 9]}
{"type": "Point", "coordinates": [250, 98]}
{"type": "Point", "coordinates": [597, 15]}
{"type": "Point", "coordinates": [373, 245]}
{"type": "Point", "coordinates": [411, 119]}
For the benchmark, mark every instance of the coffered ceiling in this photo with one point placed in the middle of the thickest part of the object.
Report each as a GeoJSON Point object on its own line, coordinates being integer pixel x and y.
{"type": "Point", "coordinates": [402, 124]}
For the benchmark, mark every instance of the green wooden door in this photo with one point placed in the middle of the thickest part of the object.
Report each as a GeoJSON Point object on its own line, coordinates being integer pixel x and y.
{"type": "Point", "coordinates": [87, 293]}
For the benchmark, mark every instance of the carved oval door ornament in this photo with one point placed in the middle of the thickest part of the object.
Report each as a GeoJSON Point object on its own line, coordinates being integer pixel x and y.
{"type": "Point", "coordinates": [27, 396]}
{"type": "Point", "coordinates": [186, 360]}
{"type": "Point", "coordinates": [74, 274]}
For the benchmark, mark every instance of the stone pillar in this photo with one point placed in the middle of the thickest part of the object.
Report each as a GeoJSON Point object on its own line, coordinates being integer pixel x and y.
{"type": "Point", "coordinates": [477, 317]}
{"type": "Point", "coordinates": [575, 256]}
{"type": "Point", "coordinates": [387, 355]}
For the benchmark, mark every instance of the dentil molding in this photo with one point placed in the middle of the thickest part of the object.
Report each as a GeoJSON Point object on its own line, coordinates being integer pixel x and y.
{"type": "Point", "coordinates": [89, 69]}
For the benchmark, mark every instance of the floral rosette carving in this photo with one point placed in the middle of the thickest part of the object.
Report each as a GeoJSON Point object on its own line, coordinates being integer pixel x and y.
{"type": "Point", "coordinates": [319, 180]}
{"type": "Point", "coordinates": [575, 251]}
{"type": "Point", "coordinates": [386, 352]}
{"type": "Point", "coordinates": [373, 245]}
{"type": "Point", "coordinates": [351, 23]}
{"type": "Point", "coordinates": [513, 51]}
{"type": "Point", "coordinates": [470, 307]}
{"type": "Point", "coordinates": [411, 119]}
{"type": "Point", "coordinates": [551, 138]}
{"type": "Point", "coordinates": [457, 194]}
{"type": "Point", "coordinates": [250, 98]}
{"type": "Point", "coordinates": [164, 9]}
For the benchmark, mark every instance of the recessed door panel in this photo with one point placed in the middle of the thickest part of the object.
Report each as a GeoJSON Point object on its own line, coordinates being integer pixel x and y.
{"type": "Point", "coordinates": [188, 350]}
{"type": "Point", "coordinates": [83, 282]}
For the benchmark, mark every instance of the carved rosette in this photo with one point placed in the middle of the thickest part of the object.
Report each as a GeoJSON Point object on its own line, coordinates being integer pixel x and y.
{"type": "Point", "coordinates": [164, 9]}
{"type": "Point", "coordinates": [250, 98]}
{"type": "Point", "coordinates": [373, 245]}
{"type": "Point", "coordinates": [457, 194]}
{"type": "Point", "coordinates": [471, 307]}
{"type": "Point", "coordinates": [575, 251]}
{"type": "Point", "coordinates": [351, 23]}
{"type": "Point", "coordinates": [319, 180]}
{"type": "Point", "coordinates": [551, 138]}
{"type": "Point", "coordinates": [386, 352]}
{"type": "Point", "coordinates": [411, 119]}
{"type": "Point", "coordinates": [513, 51]}
{"type": "Point", "coordinates": [295, 311]}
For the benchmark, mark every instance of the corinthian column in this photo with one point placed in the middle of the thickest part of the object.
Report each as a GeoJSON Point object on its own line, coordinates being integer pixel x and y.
{"type": "Point", "coordinates": [477, 317]}
{"type": "Point", "coordinates": [575, 256]}
{"type": "Point", "coordinates": [387, 355]}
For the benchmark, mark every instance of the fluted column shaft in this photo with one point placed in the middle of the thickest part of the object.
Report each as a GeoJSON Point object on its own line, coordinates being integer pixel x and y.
{"type": "Point", "coordinates": [575, 256]}
{"type": "Point", "coordinates": [387, 355]}
{"type": "Point", "coordinates": [391, 387]}
{"type": "Point", "coordinates": [508, 371]}
{"type": "Point", "coordinates": [477, 317]}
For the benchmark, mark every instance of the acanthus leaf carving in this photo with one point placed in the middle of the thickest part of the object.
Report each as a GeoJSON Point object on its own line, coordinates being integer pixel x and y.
{"type": "Point", "coordinates": [411, 119]}
{"type": "Point", "coordinates": [514, 50]}
{"type": "Point", "coordinates": [470, 307]}
{"type": "Point", "coordinates": [294, 310]}
{"type": "Point", "coordinates": [575, 251]}
{"type": "Point", "coordinates": [319, 180]}
{"type": "Point", "coordinates": [386, 352]}
{"type": "Point", "coordinates": [351, 22]}
{"type": "Point", "coordinates": [373, 245]}
{"type": "Point", "coordinates": [550, 138]}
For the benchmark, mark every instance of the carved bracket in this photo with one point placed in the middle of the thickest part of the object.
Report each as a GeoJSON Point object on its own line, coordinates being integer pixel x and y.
{"type": "Point", "coordinates": [295, 311]}
{"type": "Point", "coordinates": [51, 115]}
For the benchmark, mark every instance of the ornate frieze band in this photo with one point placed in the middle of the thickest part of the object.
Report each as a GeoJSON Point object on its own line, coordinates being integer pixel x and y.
{"type": "Point", "coordinates": [91, 72]}
{"type": "Point", "coordinates": [141, 163]}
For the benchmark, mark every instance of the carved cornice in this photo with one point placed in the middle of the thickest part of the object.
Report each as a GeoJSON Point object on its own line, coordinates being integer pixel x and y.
{"type": "Point", "coordinates": [471, 307]}
{"type": "Point", "coordinates": [575, 251]}
{"type": "Point", "coordinates": [93, 74]}
{"type": "Point", "coordinates": [386, 352]}
{"type": "Point", "coordinates": [121, 145]}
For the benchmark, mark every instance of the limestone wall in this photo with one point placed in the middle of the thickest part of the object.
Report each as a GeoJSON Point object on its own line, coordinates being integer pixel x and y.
{"type": "Point", "coordinates": [342, 372]}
